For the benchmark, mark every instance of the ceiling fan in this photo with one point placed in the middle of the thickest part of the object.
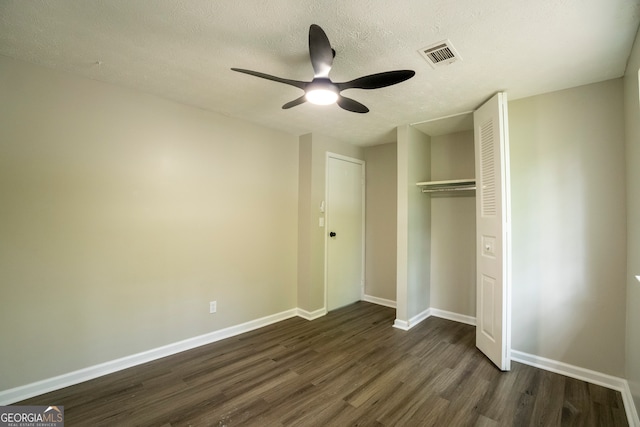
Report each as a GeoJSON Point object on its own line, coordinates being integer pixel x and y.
{"type": "Point", "coordinates": [321, 90]}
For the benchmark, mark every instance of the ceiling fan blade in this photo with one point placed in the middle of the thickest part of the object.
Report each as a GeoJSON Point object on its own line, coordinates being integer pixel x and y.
{"type": "Point", "coordinates": [320, 51]}
{"type": "Point", "coordinates": [375, 81]}
{"type": "Point", "coordinates": [351, 105]}
{"type": "Point", "coordinates": [295, 102]}
{"type": "Point", "coordinates": [296, 83]}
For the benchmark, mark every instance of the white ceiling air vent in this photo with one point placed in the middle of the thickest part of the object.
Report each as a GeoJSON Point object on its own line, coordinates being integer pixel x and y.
{"type": "Point", "coordinates": [441, 53]}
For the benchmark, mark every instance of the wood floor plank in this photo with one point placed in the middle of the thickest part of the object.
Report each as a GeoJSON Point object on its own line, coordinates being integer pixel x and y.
{"type": "Point", "coordinates": [348, 368]}
{"type": "Point", "coordinates": [500, 402]}
{"type": "Point", "coordinates": [547, 408]}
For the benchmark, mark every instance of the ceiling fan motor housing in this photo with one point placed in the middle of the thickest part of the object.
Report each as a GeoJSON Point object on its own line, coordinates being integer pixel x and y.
{"type": "Point", "coordinates": [321, 91]}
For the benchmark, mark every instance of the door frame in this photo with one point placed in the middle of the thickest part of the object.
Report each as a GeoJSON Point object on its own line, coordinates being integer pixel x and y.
{"type": "Point", "coordinates": [327, 221]}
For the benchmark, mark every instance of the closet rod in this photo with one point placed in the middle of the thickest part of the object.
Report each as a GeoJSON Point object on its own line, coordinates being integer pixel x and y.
{"type": "Point", "coordinates": [436, 190]}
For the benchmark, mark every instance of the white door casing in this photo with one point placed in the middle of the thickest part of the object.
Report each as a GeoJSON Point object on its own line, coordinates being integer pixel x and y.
{"type": "Point", "coordinates": [493, 245]}
{"type": "Point", "coordinates": [344, 217]}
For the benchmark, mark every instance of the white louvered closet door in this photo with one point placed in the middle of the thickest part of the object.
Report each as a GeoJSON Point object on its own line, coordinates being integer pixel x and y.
{"type": "Point", "coordinates": [493, 293]}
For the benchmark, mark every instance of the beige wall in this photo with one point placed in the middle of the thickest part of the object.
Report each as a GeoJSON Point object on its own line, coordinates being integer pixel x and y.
{"type": "Point", "coordinates": [123, 215]}
{"type": "Point", "coordinates": [632, 131]}
{"type": "Point", "coordinates": [311, 239]}
{"type": "Point", "coordinates": [453, 226]}
{"type": "Point", "coordinates": [381, 210]}
{"type": "Point", "coordinates": [306, 214]}
{"type": "Point", "coordinates": [568, 209]}
{"type": "Point", "coordinates": [414, 224]}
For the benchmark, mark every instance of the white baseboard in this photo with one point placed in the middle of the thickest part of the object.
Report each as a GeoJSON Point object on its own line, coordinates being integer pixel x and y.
{"type": "Point", "coordinates": [40, 387]}
{"type": "Point", "coordinates": [630, 406]}
{"type": "Point", "coordinates": [418, 318]}
{"type": "Point", "coordinates": [449, 315]}
{"type": "Point", "coordinates": [598, 378]}
{"type": "Point", "coordinates": [401, 324]}
{"type": "Point", "coordinates": [311, 315]}
{"type": "Point", "coordinates": [379, 301]}
{"type": "Point", "coordinates": [572, 371]}
{"type": "Point", "coordinates": [405, 325]}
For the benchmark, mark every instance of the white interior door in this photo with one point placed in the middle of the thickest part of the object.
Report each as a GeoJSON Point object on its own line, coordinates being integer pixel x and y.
{"type": "Point", "coordinates": [493, 246]}
{"type": "Point", "coordinates": [345, 231]}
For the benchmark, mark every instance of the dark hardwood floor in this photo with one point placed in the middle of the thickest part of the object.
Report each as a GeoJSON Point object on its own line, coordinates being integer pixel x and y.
{"type": "Point", "coordinates": [350, 367]}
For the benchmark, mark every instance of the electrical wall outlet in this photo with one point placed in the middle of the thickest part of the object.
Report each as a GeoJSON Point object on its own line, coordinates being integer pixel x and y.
{"type": "Point", "coordinates": [213, 306]}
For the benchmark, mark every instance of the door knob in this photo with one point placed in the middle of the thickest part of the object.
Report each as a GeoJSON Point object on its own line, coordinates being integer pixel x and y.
{"type": "Point", "coordinates": [332, 234]}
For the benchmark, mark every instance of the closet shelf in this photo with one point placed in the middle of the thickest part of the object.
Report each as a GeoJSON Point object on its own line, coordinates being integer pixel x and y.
{"type": "Point", "coordinates": [450, 185]}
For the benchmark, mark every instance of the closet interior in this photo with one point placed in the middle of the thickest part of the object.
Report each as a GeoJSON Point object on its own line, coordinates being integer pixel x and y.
{"type": "Point", "coordinates": [451, 186]}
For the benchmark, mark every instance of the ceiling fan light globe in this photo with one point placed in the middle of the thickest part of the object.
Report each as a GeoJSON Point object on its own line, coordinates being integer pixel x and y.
{"type": "Point", "coordinates": [322, 95]}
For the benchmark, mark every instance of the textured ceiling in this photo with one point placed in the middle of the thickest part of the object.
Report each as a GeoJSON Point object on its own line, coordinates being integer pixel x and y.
{"type": "Point", "coordinates": [183, 50]}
